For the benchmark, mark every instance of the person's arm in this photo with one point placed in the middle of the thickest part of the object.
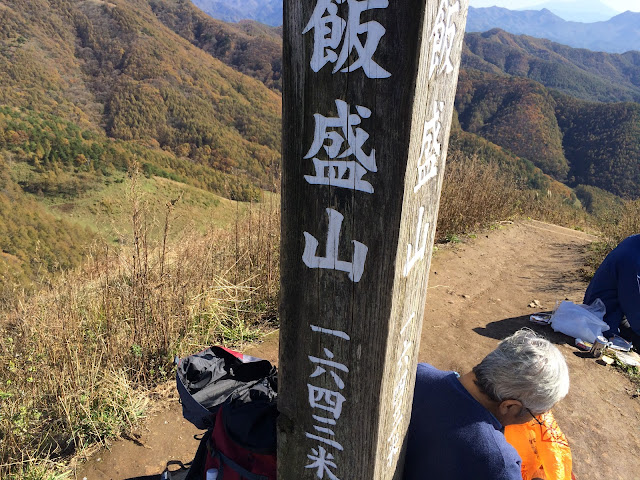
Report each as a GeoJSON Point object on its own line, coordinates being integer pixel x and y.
{"type": "Point", "coordinates": [513, 472]}
{"type": "Point", "coordinates": [629, 292]}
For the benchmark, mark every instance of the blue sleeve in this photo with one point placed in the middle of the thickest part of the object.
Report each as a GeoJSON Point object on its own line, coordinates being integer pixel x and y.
{"type": "Point", "coordinates": [617, 284]}
{"type": "Point", "coordinates": [629, 291]}
{"type": "Point", "coordinates": [513, 471]}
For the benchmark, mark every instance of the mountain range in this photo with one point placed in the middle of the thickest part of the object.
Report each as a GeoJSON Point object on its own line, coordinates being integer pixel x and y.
{"type": "Point", "coordinates": [602, 31]}
{"type": "Point", "coordinates": [596, 76]}
{"type": "Point", "coordinates": [264, 11]}
{"type": "Point", "coordinates": [617, 35]}
{"type": "Point", "coordinates": [587, 11]}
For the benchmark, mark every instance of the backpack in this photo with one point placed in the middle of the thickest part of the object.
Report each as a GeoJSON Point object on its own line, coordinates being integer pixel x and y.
{"type": "Point", "coordinates": [234, 397]}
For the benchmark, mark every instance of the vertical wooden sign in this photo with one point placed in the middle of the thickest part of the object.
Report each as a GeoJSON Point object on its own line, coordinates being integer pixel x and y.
{"type": "Point", "coordinates": [369, 90]}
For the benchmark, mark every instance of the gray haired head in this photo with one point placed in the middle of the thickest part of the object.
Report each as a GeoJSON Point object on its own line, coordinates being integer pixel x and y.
{"type": "Point", "coordinates": [524, 367]}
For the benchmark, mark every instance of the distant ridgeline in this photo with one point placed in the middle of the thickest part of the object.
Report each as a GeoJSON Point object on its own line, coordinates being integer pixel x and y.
{"type": "Point", "coordinates": [264, 11]}
{"type": "Point", "coordinates": [616, 35]}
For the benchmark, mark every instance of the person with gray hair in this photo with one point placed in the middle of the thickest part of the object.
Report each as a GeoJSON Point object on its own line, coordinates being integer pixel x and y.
{"type": "Point", "coordinates": [457, 422]}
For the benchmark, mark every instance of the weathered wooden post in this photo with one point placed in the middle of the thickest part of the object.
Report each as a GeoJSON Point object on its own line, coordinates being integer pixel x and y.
{"type": "Point", "coordinates": [369, 89]}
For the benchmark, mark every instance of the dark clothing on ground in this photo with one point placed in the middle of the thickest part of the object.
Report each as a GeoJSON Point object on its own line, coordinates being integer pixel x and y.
{"type": "Point", "coordinates": [452, 436]}
{"type": "Point", "coordinates": [617, 284]}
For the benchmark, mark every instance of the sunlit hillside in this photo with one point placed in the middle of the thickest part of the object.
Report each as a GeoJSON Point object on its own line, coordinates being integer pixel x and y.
{"type": "Point", "coordinates": [91, 90]}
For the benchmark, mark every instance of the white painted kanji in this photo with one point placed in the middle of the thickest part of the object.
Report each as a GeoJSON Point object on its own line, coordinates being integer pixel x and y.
{"type": "Point", "coordinates": [416, 252]}
{"type": "Point", "coordinates": [442, 36]}
{"type": "Point", "coordinates": [330, 261]}
{"type": "Point", "coordinates": [323, 364]}
{"type": "Point", "coordinates": [323, 462]}
{"type": "Point", "coordinates": [341, 137]}
{"type": "Point", "coordinates": [328, 400]}
{"type": "Point", "coordinates": [327, 405]}
{"type": "Point", "coordinates": [431, 148]}
{"type": "Point", "coordinates": [400, 392]}
{"type": "Point", "coordinates": [335, 38]}
{"type": "Point", "coordinates": [328, 331]}
{"type": "Point", "coordinates": [323, 438]}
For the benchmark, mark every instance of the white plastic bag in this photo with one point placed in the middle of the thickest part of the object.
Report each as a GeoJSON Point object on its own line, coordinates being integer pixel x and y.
{"type": "Point", "coordinates": [580, 321]}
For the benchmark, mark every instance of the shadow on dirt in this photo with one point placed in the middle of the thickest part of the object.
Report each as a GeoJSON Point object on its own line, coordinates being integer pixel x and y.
{"type": "Point", "coordinates": [175, 474]}
{"type": "Point", "coordinates": [503, 328]}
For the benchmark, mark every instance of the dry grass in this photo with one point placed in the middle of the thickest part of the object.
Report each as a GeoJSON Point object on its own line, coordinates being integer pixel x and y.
{"type": "Point", "coordinates": [474, 194]}
{"type": "Point", "coordinates": [616, 226]}
{"type": "Point", "coordinates": [78, 360]}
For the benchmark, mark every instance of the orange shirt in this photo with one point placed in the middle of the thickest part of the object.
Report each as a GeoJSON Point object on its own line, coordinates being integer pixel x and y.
{"type": "Point", "coordinates": [544, 449]}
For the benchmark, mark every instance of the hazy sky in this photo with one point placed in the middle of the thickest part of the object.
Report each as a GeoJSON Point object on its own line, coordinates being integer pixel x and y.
{"type": "Point", "coordinates": [620, 5]}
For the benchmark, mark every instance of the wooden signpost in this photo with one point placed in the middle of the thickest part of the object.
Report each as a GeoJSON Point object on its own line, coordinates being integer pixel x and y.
{"type": "Point", "coordinates": [369, 91]}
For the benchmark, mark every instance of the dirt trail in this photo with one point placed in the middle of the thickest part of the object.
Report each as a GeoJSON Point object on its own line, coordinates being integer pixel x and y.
{"type": "Point", "coordinates": [479, 292]}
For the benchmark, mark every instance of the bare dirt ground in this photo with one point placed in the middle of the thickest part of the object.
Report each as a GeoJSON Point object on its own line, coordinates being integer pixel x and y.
{"type": "Point", "coordinates": [479, 292]}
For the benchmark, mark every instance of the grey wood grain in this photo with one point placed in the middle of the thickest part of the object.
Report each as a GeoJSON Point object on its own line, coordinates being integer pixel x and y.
{"type": "Point", "coordinates": [381, 312]}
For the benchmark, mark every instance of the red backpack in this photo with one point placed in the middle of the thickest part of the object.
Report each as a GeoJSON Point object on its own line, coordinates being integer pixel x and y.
{"type": "Point", "coordinates": [235, 397]}
{"type": "Point", "coordinates": [233, 458]}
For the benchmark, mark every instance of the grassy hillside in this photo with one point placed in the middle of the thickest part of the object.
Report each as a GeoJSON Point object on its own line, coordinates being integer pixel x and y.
{"type": "Point", "coordinates": [523, 173]}
{"type": "Point", "coordinates": [33, 242]}
{"type": "Point", "coordinates": [600, 203]}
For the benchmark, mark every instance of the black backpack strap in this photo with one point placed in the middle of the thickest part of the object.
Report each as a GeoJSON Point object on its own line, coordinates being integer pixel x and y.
{"type": "Point", "coordinates": [196, 470]}
{"type": "Point", "coordinates": [227, 462]}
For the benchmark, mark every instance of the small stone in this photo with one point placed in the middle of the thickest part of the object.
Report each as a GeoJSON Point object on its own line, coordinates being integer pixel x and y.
{"type": "Point", "coordinates": [606, 360]}
{"type": "Point", "coordinates": [535, 304]}
{"type": "Point", "coordinates": [466, 296]}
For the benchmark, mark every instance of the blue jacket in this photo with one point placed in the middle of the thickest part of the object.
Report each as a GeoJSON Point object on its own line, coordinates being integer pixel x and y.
{"type": "Point", "coordinates": [617, 284]}
{"type": "Point", "coordinates": [452, 436]}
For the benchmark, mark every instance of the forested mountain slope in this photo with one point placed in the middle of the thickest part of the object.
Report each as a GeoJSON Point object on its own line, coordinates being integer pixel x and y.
{"type": "Point", "coordinates": [90, 88]}
{"type": "Point", "coordinates": [517, 114]}
{"type": "Point", "coordinates": [252, 48]}
{"type": "Point", "coordinates": [115, 68]}
{"type": "Point", "coordinates": [575, 141]}
{"type": "Point", "coordinates": [602, 144]}
{"type": "Point", "coordinates": [581, 73]}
